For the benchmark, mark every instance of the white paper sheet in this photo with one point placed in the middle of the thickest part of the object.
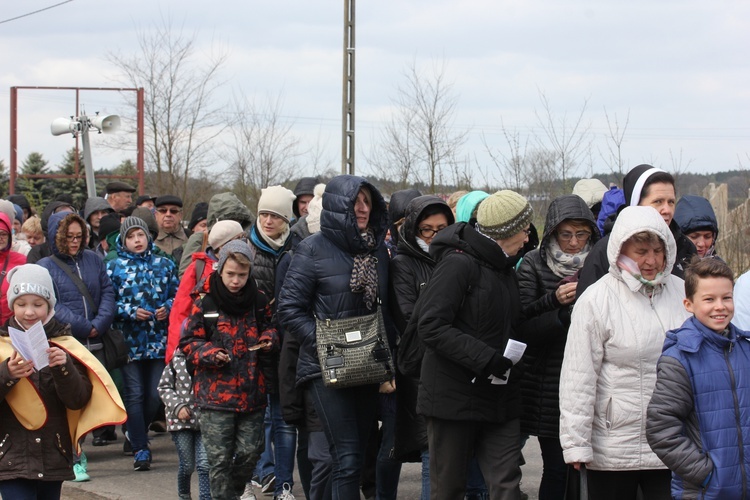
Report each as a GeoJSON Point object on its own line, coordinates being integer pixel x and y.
{"type": "Point", "coordinates": [514, 352]}
{"type": "Point", "coordinates": [31, 344]}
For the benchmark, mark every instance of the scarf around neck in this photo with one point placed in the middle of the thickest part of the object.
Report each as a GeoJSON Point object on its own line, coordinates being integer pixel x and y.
{"type": "Point", "coordinates": [632, 276]}
{"type": "Point", "coordinates": [364, 271]}
{"type": "Point", "coordinates": [275, 244]}
{"type": "Point", "coordinates": [565, 264]}
{"type": "Point", "coordinates": [234, 304]}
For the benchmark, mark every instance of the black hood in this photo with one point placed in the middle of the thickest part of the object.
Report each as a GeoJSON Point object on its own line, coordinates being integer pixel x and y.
{"type": "Point", "coordinates": [306, 185]}
{"type": "Point", "coordinates": [407, 242]}
{"type": "Point", "coordinates": [338, 222]}
{"type": "Point", "coordinates": [570, 206]}
{"type": "Point", "coordinates": [397, 208]}
{"type": "Point", "coordinates": [463, 237]}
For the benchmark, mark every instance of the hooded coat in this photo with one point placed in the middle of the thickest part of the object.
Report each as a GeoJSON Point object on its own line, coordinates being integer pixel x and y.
{"type": "Point", "coordinates": [410, 272]}
{"type": "Point", "coordinates": [8, 260]}
{"type": "Point", "coordinates": [92, 205]}
{"type": "Point", "coordinates": [467, 313]}
{"type": "Point", "coordinates": [305, 186]}
{"type": "Point", "coordinates": [695, 213]}
{"type": "Point", "coordinates": [71, 306]}
{"type": "Point", "coordinates": [546, 345]}
{"type": "Point", "coordinates": [609, 365]}
{"type": "Point", "coordinates": [38, 252]}
{"type": "Point", "coordinates": [397, 209]}
{"type": "Point", "coordinates": [697, 417]}
{"type": "Point", "coordinates": [317, 282]}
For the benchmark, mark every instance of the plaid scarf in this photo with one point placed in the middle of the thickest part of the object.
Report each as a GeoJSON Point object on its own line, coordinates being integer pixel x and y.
{"type": "Point", "coordinates": [364, 272]}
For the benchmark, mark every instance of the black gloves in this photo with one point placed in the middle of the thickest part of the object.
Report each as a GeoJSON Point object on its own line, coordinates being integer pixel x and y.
{"type": "Point", "coordinates": [499, 365]}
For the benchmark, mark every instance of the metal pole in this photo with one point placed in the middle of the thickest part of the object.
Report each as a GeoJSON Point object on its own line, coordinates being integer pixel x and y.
{"type": "Point", "coordinates": [347, 115]}
{"type": "Point", "coordinates": [13, 139]}
{"type": "Point", "coordinates": [88, 165]}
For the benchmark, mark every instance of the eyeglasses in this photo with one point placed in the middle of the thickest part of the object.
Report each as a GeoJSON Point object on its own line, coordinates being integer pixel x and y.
{"type": "Point", "coordinates": [74, 237]}
{"type": "Point", "coordinates": [428, 232]}
{"type": "Point", "coordinates": [4, 235]}
{"type": "Point", "coordinates": [526, 231]}
{"type": "Point", "coordinates": [173, 211]}
{"type": "Point", "coordinates": [580, 235]}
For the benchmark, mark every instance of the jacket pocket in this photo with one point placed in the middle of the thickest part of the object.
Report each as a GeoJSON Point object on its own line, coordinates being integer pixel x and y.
{"type": "Point", "coordinates": [5, 446]}
{"type": "Point", "coordinates": [63, 450]}
{"type": "Point", "coordinates": [608, 415]}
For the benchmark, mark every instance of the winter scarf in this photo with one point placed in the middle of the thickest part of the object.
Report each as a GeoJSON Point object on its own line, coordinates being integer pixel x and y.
{"type": "Point", "coordinates": [364, 271]}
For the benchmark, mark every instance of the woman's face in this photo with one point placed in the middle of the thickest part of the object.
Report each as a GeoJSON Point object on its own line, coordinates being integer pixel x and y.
{"type": "Point", "coordinates": [572, 236]}
{"type": "Point", "coordinates": [271, 224]}
{"type": "Point", "coordinates": [703, 241]}
{"type": "Point", "coordinates": [512, 245]}
{"type": "Point", "coordinates": [429, 227]}
{"type": "Point", "coordinates": [650, 257]}
{"type": "Point", "coordinates": [74, 237]}
{"type": "Point", "coordinates": [362, 209]}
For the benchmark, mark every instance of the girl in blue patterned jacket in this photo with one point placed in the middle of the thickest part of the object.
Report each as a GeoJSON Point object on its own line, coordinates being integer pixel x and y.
{"type": "Point", "coordinates": [145, 285]}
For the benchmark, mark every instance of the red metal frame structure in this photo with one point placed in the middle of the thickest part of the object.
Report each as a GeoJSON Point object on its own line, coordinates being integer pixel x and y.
{"type": "Point", "coordinates": [14, 135]}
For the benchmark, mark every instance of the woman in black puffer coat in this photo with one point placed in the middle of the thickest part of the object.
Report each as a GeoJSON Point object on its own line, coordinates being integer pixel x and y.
{"type": "Point", "coordinates": [547, 282]}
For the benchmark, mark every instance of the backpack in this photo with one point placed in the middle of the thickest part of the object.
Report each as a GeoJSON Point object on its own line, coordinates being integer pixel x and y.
{"type": "Point", "coordinates": [611, 201]}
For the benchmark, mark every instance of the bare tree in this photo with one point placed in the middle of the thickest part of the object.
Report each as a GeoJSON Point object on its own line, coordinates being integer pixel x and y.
{"type": "Point", "coordinates": [420, 138]}
{"type": "Point", "coordinates": [512, 165]}
{"type": "Point", "coordinates": [615, 138]}
{"type": "Point", "coordinates": [264, 152]}
{"type": "Point", "coordinates": [569, 139]}
{"type": "Point", "coordinates": [394, 156]}
{"type": "Point", "coordinates": [182, 118]}
{"type": "Point", "coordinates": [679, 166]}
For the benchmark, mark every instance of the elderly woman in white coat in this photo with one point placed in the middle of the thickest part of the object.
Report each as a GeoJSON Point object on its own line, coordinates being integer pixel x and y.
{"type": "Point", "coordinates": [609, 368]}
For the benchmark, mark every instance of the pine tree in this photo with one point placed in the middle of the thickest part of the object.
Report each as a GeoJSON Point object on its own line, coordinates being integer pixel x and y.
{"type": "Point", "coordinates": [75, 186]}
{"type": "Point", "coordinates": [39, 192]}
{"type": "Point", "coordinates": [4, 179]}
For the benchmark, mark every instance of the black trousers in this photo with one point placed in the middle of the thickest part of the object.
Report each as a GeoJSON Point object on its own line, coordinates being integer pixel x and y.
{"type": "Point", "coordinates": [623, 485]}
{"type": "Point", "coordinates": [497, 448]}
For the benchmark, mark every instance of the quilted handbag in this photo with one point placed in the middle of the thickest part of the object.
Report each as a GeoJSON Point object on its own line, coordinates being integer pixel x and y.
{"type": "Point", "coordinates": [354, 351]}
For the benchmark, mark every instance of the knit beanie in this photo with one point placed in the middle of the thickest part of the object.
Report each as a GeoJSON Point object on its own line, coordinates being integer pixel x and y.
{"type": "Point", "coordinates": [31, 279]}
{"type": "Point", "coordinates": [6, 207]}
{"type": "Point", "coordinates": [503, 214]}
{"type": "Point", "coordinates": [132, 223]}
{"type": "Point", "coordinates": [315, 208]}
{"type": "Point", "coordinates": [222, 232]}
{"type": "Point", "coordinates": [467, 205]}
{"type": "Point", "coordinates": [19, 213]}
{"type": "Point", "coordinates": [277, 200]}
{"type": "Point", "coordinates": [590, 190]}
{"type": "Point", "coordinates": [234, 246]}
{"type": "Point", "coordinates": [200, 212]}
{"type": "Point", "coordinates": [633, 182]}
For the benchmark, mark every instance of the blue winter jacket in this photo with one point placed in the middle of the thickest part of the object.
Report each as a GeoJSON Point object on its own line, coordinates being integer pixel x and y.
{"type": "Point", "coordinates": [317, 282]}
{"type": "Point", "coordinates": [148, 281]}
{"type": "Point", "coordinates": [699, 415]}
{"type": "Point", "coordinates": [71, 306]}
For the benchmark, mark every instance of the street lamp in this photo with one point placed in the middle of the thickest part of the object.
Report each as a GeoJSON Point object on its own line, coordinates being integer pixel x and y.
{"type": "Point", "coordinates": [79, 126]}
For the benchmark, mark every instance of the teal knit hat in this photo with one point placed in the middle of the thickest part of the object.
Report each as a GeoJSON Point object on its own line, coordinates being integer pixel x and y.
{"type": "Point", "coordinates": [467, 205]}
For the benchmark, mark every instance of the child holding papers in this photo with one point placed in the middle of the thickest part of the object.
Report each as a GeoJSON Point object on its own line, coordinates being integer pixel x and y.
{"type": "Point", "coordinates": [44, 404]}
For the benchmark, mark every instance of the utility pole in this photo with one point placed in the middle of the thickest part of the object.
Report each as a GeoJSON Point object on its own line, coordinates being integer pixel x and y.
{"type": "Point", "coordinates": [347, 109]}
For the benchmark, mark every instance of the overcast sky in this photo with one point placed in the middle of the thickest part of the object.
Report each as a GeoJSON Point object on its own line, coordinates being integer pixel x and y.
{"type": "Point", "coordinates": [679, 68]}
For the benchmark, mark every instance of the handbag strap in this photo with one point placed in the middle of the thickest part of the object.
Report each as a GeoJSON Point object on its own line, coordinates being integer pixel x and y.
{"type": "Point", "coordinates": [77, 281]}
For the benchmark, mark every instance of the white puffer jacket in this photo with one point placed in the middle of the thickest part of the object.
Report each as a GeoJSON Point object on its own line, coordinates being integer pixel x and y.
{"type": "Point", "coordinates": [609, 368]}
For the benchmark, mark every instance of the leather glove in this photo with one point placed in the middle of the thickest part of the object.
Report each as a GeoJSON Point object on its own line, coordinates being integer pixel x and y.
{"type": "Point", "coordinates": [499, 365]}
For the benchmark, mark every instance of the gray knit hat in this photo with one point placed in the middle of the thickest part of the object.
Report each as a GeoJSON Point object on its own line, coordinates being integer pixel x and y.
{"type": "Point", "coordinates": [132, 223]}
{"type": "Point", "coordinates": [31, 279]}
{"type": "Point", "coordinates": [503, 214]}
{"type": "Point", "coordinates": [234, 246]}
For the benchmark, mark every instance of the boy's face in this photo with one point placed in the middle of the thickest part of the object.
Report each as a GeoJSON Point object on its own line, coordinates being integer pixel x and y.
{"type": "Point", "coordinates": [136, 241]}
{"type": "Point", "coordinates": [30, 309]}
{"type": "Point", "coordinates": [234, 275]}
{"type": "Point", "coordinates": [713, 303]}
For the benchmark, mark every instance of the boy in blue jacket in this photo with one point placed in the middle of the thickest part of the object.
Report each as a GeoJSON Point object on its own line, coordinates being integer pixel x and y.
{"type": "Point", "coordinates": [697, 418]}
{"type": "Point", "coordinates": [145, 285]}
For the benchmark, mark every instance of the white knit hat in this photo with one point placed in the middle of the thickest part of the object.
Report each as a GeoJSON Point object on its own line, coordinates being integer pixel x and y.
{"type": "Point", "coordinates": [222, 232]}
{"type": "Point", "coordinates": [31, 279]}
{"type": "Point", "coordinates": [277, 200]}
{"type": "Point", "coordinates": [315, 208]}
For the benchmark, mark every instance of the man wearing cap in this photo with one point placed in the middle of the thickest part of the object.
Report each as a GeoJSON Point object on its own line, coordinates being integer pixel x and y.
{"type": "Point", "coordinates": [169, 219]}
{"type": "Point", "coordinates": [119, 195]}
{"type": "Point", "coordinates": [646, 186]}
{"type": "Point", "coordinates": [93, 211]}
{"type": "Point", "coordinates": [146, 201]}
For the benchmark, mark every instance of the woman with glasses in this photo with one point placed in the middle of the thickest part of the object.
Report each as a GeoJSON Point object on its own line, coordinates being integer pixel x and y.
{"type": "Point", "coordinates": [547, 281]}
{"type": "Point", "coordinates": [68, 235]}
{"type": "Point", "coordinates": [410, 271]}
{"type": "Point", "coordinates": [8, 260]}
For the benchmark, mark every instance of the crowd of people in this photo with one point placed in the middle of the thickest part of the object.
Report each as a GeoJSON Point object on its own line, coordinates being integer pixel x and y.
{"type": "Point", "coordinates": [607, 335]}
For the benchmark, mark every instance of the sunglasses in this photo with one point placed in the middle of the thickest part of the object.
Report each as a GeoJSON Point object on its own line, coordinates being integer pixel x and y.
{"type": "Point", "coordinates": [173, 211]}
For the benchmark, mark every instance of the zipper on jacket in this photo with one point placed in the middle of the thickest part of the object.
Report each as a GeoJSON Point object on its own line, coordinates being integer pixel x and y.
{"type": "Point", "coordinates": [651, 301]}
{"type": "Point", "coordinates": [741, 447]}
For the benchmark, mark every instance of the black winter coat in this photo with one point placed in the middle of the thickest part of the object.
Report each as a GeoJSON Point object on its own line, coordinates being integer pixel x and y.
{"type": "Point", "coordinates": [317, 283]}
{"type": "Point", "coordinates": [467, 313]}
{"type": "Point", "coordinates": [410, 271]}
{"type": "Point", "coordinates": [546, 344]}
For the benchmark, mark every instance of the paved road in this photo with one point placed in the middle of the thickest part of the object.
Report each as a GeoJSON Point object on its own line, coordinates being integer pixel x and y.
{"type": "Point", "coordinates": [113, 476]}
